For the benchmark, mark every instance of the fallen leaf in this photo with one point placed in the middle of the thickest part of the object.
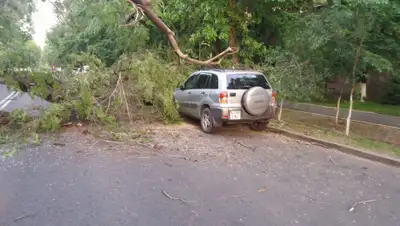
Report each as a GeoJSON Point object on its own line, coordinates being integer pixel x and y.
{"type": "Point", "coordinates": [263, 189]}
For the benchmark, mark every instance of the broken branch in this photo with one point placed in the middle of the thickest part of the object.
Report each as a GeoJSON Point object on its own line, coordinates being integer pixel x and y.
{"type": "Point", "coordinates": [144, 6]}
{"type": "Point", "coordinates": [173, 198]}
{"type": "Point", "coordinates": [134, 17]}
{"type": "Point", "coordinates": [333, 162]}
{"type": "Point", "coordinates": [251, 148]}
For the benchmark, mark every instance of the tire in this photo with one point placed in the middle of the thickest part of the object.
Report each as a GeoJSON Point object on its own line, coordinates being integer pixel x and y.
{"type": "Point", "coordinates": [259, 126]}
{"type": "Point", "coordinates": [207, 121]}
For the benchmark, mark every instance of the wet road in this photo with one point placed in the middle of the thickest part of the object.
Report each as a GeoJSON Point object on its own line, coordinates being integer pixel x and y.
{"type": "Point", "coordinates": [225, 179]}
{"type": "Point", "coordinates": [11, 100]}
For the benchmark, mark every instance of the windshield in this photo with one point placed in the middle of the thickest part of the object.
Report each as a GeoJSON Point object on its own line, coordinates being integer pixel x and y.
{"type": "Point", "coordinates": [246, 81]}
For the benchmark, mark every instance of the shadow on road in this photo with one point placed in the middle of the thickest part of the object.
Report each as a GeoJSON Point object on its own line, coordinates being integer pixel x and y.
{"type": "Point", "coordinates": [235, 130]}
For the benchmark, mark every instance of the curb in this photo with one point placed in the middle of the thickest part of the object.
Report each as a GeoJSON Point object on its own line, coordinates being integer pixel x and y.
{"type": "Point", "coordinates": [342, 148]}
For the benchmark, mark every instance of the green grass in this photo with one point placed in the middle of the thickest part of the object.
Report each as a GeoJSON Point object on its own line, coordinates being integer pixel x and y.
{"type": "Point", "coordinates": [365, 136]}
{"type": "Point", "coordinates": [384, 109]}
{"type": "Point", "coordinates": [376, 146]}
{"type": "Point", "coordinates": [353, 140]}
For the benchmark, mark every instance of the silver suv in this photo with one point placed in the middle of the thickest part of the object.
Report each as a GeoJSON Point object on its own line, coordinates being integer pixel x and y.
{"type": "Point", "coordinates": [219, 97]}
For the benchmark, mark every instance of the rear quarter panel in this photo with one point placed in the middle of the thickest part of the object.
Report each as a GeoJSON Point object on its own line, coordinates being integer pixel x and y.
{"type": "Point", "coordinates": [211, 100]}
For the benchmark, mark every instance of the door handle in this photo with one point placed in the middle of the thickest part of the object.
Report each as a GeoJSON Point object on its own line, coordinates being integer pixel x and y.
{"type": "Point", "coordinates": [203, 93]}
{"type": "Point", "coordinates": [189, 92]}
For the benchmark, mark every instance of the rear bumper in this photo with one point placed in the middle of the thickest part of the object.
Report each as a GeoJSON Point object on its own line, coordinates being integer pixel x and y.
{"type": "Point", "coordinates": [222, 115]}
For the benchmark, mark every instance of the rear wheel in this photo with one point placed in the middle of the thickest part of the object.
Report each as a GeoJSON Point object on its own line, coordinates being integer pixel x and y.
{"type": "Point", "coordinates": [207, 121]}
{"type": "Point", "coordinates": [259, 126]}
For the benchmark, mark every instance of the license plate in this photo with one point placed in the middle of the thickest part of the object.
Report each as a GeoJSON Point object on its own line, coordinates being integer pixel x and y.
{"type": "Point", "coordinates": [234, 115]}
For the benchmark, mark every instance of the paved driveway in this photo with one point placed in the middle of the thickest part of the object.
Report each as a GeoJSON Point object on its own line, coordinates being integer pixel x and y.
{"type": "Point", "coordinates": [180, 176]}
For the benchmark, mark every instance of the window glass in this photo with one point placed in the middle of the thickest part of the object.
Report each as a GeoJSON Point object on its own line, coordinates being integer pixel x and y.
{"type": "Point", "coordinates": [246, 81]}
{"type": "Point", "coordinates": [214, 82]}
{"type": "Point", "coordinates": [202, 81]}
{"type": "Point", "coordinates": [191, 82]}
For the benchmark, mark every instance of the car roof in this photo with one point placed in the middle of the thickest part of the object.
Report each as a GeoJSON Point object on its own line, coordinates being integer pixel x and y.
{"type": "Point", "coordinates": [225, 71]}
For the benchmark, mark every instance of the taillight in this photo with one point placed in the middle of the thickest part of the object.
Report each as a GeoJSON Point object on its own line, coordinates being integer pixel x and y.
{"type": "Point", "coordinates": [273, 97]}
{"type": "Point", "coordinates": [223, 97]}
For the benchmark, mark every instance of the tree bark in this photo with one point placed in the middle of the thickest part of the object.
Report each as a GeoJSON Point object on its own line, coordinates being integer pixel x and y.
{"type": "Point", "coordinates": [280, 110]}
{"type": "Point", "coordinates": [338, 108]}
{"type": "Point", "coordinates": [350, 111]}
{"type": "Point", "coordinates": [363, 87]}
{"type": "Point", "coordinates": [232, 32]}
{"type": "Point", "coordinates": [146, 7]}
{"type": "Point", "coordinates": [352, 85]}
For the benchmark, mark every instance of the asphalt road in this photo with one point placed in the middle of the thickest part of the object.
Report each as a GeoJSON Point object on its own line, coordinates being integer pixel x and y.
{"type": "Point", "coordinates": [11, 100]}
{"type": "Point", "coordinates": [229, 178]}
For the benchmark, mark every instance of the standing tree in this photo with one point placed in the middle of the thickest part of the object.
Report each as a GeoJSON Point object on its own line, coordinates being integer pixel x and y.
{"type": "Point", "coordinates": [15, 31]}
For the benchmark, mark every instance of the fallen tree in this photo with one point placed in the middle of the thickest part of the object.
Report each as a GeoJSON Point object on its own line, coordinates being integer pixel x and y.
{"type": "Point", "coordinates": [144, 7]}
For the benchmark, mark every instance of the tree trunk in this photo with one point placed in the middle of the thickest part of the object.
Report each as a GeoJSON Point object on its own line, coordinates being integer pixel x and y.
{"type": "Point", "coordinates": [363, 87]}
{"type": "Point", "coordinates": [338, 108]}
{"type": "Point", "coordinates": [232, 42]}
{"type": "Point", "coordinates": [280, 110]}
{"type": "Point", "coordinates": [350, 111]}
{"type": "Point", "coordinates": [232, 32]}
{"type": "Point", "coordinates": [353, 84]}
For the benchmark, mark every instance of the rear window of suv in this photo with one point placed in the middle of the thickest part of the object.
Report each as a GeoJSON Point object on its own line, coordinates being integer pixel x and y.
{"type": "Point", "coordinates": [246, 81]}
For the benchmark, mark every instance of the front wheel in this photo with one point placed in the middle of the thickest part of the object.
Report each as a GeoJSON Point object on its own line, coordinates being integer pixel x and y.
{"type": "Point", "coordinates": [259, 126]}
{"type": "Point", "coordinates": [207, 121]}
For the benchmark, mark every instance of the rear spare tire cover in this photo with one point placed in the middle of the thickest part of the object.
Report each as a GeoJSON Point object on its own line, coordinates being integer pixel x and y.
{"type": "Point", "coordinates": [255, 101]}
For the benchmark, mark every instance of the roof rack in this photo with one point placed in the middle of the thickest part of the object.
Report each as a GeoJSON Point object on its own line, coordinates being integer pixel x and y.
{"type": "Point", "coordinates": [224, 69]}
{"type": "Point", "coordinates": [211, 69]}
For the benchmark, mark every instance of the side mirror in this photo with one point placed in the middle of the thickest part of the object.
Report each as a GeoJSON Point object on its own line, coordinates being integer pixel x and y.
{"type": "Point", "coordinates": [181, 87]}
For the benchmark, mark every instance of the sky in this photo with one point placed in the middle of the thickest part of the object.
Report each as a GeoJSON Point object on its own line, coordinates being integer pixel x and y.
{"type": "Point", "coordinates": [43, 19]}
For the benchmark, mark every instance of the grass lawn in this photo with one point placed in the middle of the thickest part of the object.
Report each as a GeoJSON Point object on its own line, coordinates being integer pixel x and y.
{"type": "Point", "coordinates": [384, 109]}
{"type": "Point", "coordinates": [365, 136]}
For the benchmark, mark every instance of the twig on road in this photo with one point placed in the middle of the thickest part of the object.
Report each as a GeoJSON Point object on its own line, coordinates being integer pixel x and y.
{"type": "Point", "coordinates": [333, 162]}
{"type": "Point", "coordinates": [173, 198]}
{"type": "Point", "coordinates": [359, 203]}
{"type": "Point", "coordinates": [59, 144]}
{"type": "Point", "coordinates": [251, 148]}
{"type": "Point", "coordinates": [24, 216]}
{"type": "Point", "coordinates": [91, 147]}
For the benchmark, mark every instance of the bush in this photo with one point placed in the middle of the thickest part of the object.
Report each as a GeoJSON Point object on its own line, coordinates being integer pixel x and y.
{"type": "Point", "coordinates": [52, 118]}
{"type": "Point", "coordinates": [17, 118]}
{"type": "Point", "coordinates": [152, 81]}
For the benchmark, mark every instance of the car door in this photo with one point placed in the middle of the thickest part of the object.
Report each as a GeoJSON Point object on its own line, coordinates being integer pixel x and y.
{"type": "Point", "coordinates": [199, 94]}
{"type": "Point", "coordinates": [183, 94]}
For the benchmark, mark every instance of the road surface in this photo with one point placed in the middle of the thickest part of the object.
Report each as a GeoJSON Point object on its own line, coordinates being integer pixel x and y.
{"type": "Point", "coordinates": [180, 176]}
{"type": "Point", "coordinates": [11, 100]}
